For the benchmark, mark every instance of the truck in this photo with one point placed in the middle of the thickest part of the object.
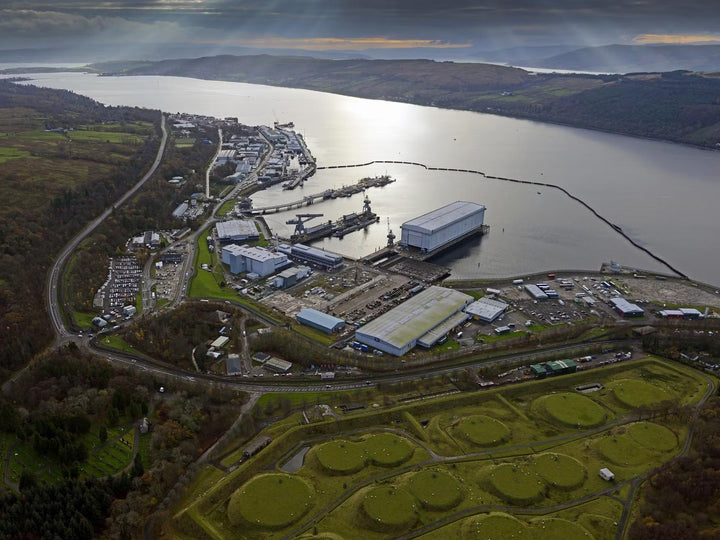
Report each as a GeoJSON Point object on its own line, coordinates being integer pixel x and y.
{"type": "Point", "coordinates": [517, 281]}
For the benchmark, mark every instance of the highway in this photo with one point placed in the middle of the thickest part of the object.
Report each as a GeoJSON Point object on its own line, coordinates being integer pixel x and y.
{"type": "Point", "coordinates": [55, 274]}
{"type": "Point", "coordinates": [212, 162]}
{"type": "Point", "coordinates": [253, 384]}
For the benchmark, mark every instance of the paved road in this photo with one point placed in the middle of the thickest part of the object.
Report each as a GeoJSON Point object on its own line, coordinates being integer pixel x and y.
{"type": "Point", "coordinates": [212, 162]}
{"type": "Point", "coordinates": [53, 282]}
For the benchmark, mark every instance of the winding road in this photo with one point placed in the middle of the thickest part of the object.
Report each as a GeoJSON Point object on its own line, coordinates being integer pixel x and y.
{"type": "Point", "coordinates": [55, 274]}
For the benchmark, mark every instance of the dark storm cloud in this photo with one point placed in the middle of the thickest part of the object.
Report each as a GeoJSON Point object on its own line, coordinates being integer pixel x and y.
{"type": "Point", "coordinates": [458, 21]}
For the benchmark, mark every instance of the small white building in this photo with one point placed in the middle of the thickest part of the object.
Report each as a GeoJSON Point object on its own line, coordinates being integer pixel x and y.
{"type": "Point", "coordinates": [129, 311]}
{"type": "Point", "coordinates": [607, 474]}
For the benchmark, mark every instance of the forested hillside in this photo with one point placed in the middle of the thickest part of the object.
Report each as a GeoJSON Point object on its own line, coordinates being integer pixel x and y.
{"type": "Point", "coordinates": [676, 106]}
{"type": "Point", "coordinates": [63, 159]}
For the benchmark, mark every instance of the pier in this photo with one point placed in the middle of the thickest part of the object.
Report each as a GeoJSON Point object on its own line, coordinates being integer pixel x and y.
{"type": "Point", "coordinates": [345, 191]}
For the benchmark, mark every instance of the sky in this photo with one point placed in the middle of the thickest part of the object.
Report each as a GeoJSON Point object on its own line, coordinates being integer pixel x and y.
{"type": "Point", "coordinates": [452, 26]}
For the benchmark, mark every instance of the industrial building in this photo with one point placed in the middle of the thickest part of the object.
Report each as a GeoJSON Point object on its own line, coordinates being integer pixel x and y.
{"type": "Point", "coordinates": [220, 342]}
{"type": "Point", "coordinates": [236, 230]}
{"type": "Point", "coordinates": [148, 239]}
{"type": "Point", "coordinates": [253, 259]}
{"type": "Point", "coordinates": [437, 229]}
{"type": "Point", "coordinates": [290, 276]}
{"type": "Point", "coordinates": [226, 155]}
{"type": "Point", "coordinates": [321, 321]}
{"type": "Point", "coordinates": [179, 212]}
{"type": "Point", "coordinates": [233, 366]}
{"type": "Point", "coordinates": [536, 292]}
{"type": "Point", "coordinates": [421, 320]}
{"type": "Point", "coordinates": [255, 446]}
{"type": "Point", "coordinates": [310, 255]}
{"type": "Point", "coordinates": [486, 309]}
{"type": "Point", "coordinates": [625, 308]}
{"type": "Point", "coordinates": [99, 322]}
{"type": "Point", "coordinates": [556, 367]}
{"type": "Point", "coordinates": [681, 313]}
{"type": "Point", "coordinates": [277, 365]}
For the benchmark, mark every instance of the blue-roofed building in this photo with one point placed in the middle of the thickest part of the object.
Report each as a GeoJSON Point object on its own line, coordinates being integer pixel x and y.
{"type": "Point", "coordinates": [321, 321]}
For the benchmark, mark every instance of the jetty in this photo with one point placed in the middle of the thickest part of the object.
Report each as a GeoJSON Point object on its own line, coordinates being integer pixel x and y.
{"type": "Point", "coordinates": [345, 191]}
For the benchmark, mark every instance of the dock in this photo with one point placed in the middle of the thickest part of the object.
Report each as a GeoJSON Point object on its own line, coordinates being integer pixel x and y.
{"type": "Point", "coordinates": [345, 191]}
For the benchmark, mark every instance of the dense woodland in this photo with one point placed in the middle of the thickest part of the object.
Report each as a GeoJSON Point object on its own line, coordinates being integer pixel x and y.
{"type": "Point", "coordinates": [682, 501]}
{"type": "Point", "coordinates": [172, 336]}
{"type": "Point", "coordinates": [151, 209]}
{"type": "Point", "coordinates": [677, 106]}
{"type": "Point", "coordinates": [68, 392]}
{"type": "Point", "coordinates": [46, 215]}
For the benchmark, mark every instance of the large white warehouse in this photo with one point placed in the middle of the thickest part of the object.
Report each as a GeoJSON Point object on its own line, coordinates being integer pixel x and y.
{"type": "Point", "coordinates": [440, 227]}
{"type": "Point", "coordinates": [422, 320]}
{"type": "Point", "coordinates": [253, 259]}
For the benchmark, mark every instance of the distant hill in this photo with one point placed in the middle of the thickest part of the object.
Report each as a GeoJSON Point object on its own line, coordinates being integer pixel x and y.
{"type": "Point", "coordinates": [676, 106]}
{"type": "Point", "coordinates": [631, 58]}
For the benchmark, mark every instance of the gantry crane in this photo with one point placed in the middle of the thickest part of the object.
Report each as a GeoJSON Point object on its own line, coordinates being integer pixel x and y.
{"type": "Point", "coordinates": [299, 222]}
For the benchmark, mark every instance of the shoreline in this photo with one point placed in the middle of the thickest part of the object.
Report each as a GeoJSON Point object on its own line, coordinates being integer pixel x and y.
{"type": "Point", "coordinates": [493, 111]}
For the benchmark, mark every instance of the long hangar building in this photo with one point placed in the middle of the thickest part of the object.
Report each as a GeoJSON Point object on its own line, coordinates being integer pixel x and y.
{"type": "Point", "coordinates": [442, 226]}
{"type": "Point", "coordinates": [422, 320]}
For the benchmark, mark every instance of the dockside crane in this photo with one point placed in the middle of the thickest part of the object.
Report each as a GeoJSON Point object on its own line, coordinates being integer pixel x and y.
{"type": "Point", "coordinates": [299, 222]}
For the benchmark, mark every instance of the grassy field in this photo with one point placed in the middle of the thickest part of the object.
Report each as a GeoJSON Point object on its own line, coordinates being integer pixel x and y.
{"type": "Point", "coordinates": [573, 409]}
{"type": "Point", "coordinates": [204, 283]}
{"type": "Point", "coordinates": [83, 320]}
{"type": "Point", "coordinates": [117, 342]}
{"type": "Point", "coordinates": [377, 483]}
{"type": "Point", "coordinates": [184, 142]}
{"type": "Point", "coordinates": [516, 484]}
{"type": "Point", "coordinates": [226, 207]}
{"type": "Point", "coordinates": [436, 490]}
{"type": "Point", "coordinates": [389, 509]}
{"type": "Point", "coordinates": [634, 393]}
{"type": "Point", "coordinates": [34, 157]}
{"type": "Point", "coordinates": [483, 430]}
{"type": "Point", "coordinates": [104, 458]}
{"type": "Point", "coordinates": [270, 501]}
{"type": "Point", "coordinates": [560, 471]}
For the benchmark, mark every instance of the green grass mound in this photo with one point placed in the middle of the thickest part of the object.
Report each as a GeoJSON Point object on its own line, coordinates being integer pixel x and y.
{"type": "Point", "coordinates": [573, 410]}
{"type": "Point", "coordinates": [653, 436]}
{"type": "Point", "coordinates": [517, 484]}
{"type": "Point", "coordinates": [436, 490]}
{"type": "Point", "coordinates": [389, 509]}
{"type": "Point", "coordinates": [387, 450]}
{"type": "Point", "coordinates": [552, 529]}
{"type": "Point", "coordinates": [634, 393]}
{"type": "Point", "coordinates": [560, 471]}
{"type": "Point", "coordinates": [623, 450]}
{"type": "Point", "coordinates": [341, 457]}
{"type": "Point", "coordinates": [495, 526]}
{"type": "Point", "coordinates": [272, 501]}
{"type": "Point", "coordinates": [483, 430]}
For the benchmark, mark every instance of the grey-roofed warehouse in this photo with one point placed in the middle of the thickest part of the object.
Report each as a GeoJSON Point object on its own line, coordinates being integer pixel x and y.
{"type": "Point", "coordinates": [486, 309]}
{"type": "Point", "coordinates": [321, 321]}
{"type": "Point", "coordinates": [398, 330]}
{"type": "Point", "coordinates": [626, 309]}
{"type": "Point", "coordinates": [438, 228]}
{"type": "Point", "coordinates": [236, 230]}
{"type": "Point", "coordinates": [536, 292]}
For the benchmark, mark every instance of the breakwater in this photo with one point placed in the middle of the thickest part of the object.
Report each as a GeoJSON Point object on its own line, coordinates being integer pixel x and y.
{"type": "Point", "coordinates": [618, 230]}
